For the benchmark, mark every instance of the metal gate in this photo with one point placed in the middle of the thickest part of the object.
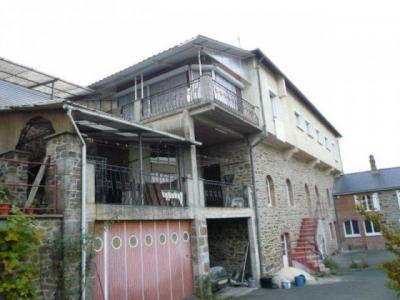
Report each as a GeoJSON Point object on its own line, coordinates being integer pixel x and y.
{"type": "Point", "coordinates": [143, 260]}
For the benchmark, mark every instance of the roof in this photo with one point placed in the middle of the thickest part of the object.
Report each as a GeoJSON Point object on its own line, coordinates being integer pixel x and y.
{"type": "Point", "coordinates": [39, 81]}
{"type": "Point", "coordinates": [368, 181]}
{"type": "Point", "coordinates": [270, 65]}
{"type": "Point", "coordinates": [103, 126]}
{"type": "Point", "coordinates": [170, 56]}
{"type": "Point", "coordinates": [15, 95]}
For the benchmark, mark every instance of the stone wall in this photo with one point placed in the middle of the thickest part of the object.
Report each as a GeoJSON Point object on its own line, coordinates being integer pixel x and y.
{"type": "Point", "coordinates": [390, 208]}
{"type": "Point", "coordinates": [281, 217]}
{"type": "Point", "coordinates": [49, 278]}
{"type": "Point", "coordinates": [227, 239]}
{"type": "Point", "coordinates": [13, 170]}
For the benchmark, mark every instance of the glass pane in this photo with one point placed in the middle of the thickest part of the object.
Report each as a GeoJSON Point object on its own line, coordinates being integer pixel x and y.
{"type": "Point", "coordinates": [347, 227]}
{"type": "Point", "coordinates": [368, 226]}
{"type": "Point", "coordinates": [356, 230]}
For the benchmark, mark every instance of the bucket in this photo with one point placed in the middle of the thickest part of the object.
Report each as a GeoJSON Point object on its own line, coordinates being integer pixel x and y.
{"type": "Point", "coordinates": [300, 280]}
{"type": "Point", "coordinates": [251, 283]}
{"type": "Point", "coordinates": [286, 284]}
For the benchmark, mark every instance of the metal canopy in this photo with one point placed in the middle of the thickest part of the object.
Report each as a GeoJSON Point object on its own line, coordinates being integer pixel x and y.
{"type": "Point", "coordinates": [38, 81]}
{"type": "Point", "coordinates": [101, 126]}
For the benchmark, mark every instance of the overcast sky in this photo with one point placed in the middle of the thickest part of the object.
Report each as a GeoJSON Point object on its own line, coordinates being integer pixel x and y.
{"type": "Point", "coordinates": [344, 55]}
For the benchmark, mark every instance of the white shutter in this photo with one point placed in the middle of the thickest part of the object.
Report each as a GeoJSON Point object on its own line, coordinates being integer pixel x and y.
{"type": "Point", "coordinates": [356, 201]}
{"type": "Point", "coordinates": [375, 201]}
{"type": "Point", "coordinates": [398, 197]}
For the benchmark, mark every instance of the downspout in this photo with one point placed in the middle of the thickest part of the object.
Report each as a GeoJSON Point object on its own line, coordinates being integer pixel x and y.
{"type": "Point", "coordinates": [253, 179]}
{"type": "Point", "coordinates": [83, 202]}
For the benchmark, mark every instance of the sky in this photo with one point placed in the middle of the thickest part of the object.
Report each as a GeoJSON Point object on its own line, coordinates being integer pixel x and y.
{"type": "Point", "coordinates": [343, 55]}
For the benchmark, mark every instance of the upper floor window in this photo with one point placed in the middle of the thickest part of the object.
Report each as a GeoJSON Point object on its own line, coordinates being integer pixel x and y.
{"type": "Point", "coordinates": [274, 105]}
{"type": "Point", "coordinates": [318, 136]}
{"type": "Point", "coordinates": [270, 191]}
{"type": "Point", "coordinates": [308, 195]}
{"type": "Point", "coordinates": [289, 193]}
{"type": "Point", "coordinates": [328, 197]}
{"type": "Point", "coordinates": [309, 128]}
{"type": "Point", "coordinates": [369, 202]}
{"type": "Point", "coordinates": [351, 228]}
{"type": "Point", "coordinates": [371, 229]}
{"type": "Point", "coordinates": [398, 197]}
{"type": "Point", "coordinates": [326, 142]}
{"type": "Point", "coordinates": [299, 121]}
{"type": "Point", "coordinates": [335, 152]}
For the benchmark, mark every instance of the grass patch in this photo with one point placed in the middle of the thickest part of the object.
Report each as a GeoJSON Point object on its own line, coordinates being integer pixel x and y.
{"type": "Point", "coordinates": [331, 264]}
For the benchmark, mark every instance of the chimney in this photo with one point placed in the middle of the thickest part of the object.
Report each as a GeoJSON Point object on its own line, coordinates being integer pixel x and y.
{"type": "Point", "coordinates": [372, 163]}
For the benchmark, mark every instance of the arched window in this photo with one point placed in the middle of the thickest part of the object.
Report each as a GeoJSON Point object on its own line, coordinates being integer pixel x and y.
{"type": "Point", "coordinates": [289, 192]}
{"type": "Point", "coordinates": [270, 191]}
{"type": "Point", "coordinates": [328, 197]}
{"type": "Point", "coordinates": [308, 195]}
{"type": "Point", "coordinates": [318, 198]}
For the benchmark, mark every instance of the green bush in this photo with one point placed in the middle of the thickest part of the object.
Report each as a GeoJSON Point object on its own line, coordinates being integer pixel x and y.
{"type": "Point", "coordinates": [331, 264]}
{"type": "Point", "coordinates": [19, 248]}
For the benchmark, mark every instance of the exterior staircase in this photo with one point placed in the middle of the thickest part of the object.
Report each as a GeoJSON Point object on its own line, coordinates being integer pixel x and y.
{"type": "Point", "coordinates": [306, 251]}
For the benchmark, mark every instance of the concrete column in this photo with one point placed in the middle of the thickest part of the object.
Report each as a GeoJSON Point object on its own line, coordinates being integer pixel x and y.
{"type": "Point", "coordinates": [65, 151]}
{"type": "Point", "coordinates": [253, 249]}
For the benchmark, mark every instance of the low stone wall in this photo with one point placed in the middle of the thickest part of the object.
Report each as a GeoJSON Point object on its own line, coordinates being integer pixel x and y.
{"type": "Point", "coordinates": [49, 278]}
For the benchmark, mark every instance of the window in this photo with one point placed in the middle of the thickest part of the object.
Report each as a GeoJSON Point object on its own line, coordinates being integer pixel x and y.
{"type": "Point", "coordinates": [370, 202]}
{"type": "Point", "coordinates": [328, 197]}
{"type": "Point", "coordinates": [309, 129]}
{"type": "Point", "coordinates": [308, 195]}
{"type": "Point", "coordinates": [275, 105]}
{"type": "Point", "coordinates": [351, 228]}
{"type": "Point", "coordinates": [335, 151]}
{"type": "Point", "coordinates": [326, 143]}
{"type": "Point", "coordinates": [289, 193]}
{"type": "Point", "coordinates": [270, 191]}
{"type": "Point", "coordinates": [318, 136]}
{"type": "Point", "coordinates": [370, 229]}
{"type": "Point", "coordinates": [332, 231]}
{"type": "Point", "coordinates": [299, 122]}
{"type": "Point", "coordinates": [317, 194]}
{"type": "Point", "coordinates": [398, 197]}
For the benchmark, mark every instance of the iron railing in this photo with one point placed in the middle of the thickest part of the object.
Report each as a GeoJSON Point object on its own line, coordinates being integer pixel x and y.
{"type": "Point", "coordinates": [123, 185]}
{"type": "Point", "coordinates": [222, 194]}
{"type": "Point", "coordinates": [201, 90]}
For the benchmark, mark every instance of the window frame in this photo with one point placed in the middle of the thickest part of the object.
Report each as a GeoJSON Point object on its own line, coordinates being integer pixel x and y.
{"type": "Point", "coordinates": [373, 233]}
{"type": "Point", "coordinates": [274, 105]}
{"type": "Point", "coordinates": [299, 120]}
{"type": "Point", "coordinates": [270, 191]}
{"type": "Point", "coordinates": [352, 229]}
{"type": "Point", "coordinates": [289, 192]}
{"type": "Point", "coordinates": [308, 128]}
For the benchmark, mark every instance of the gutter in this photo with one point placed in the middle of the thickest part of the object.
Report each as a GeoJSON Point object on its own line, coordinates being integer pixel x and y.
{"type": "Point", "coordinates": [83, 201]}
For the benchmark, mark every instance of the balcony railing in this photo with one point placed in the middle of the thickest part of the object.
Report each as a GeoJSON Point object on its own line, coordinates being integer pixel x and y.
{"type": "Point", "coordinates": [202, 90]}
{"type": "Point", "coordinates": [222, 194]}
{"type": "Point", "coordinates": [122, 185]}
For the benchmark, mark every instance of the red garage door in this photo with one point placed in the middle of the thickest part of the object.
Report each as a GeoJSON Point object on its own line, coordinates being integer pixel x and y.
{"type": "Point", "coordinates": [143, 260]}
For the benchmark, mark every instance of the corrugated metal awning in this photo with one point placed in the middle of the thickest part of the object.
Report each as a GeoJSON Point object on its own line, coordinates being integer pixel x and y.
{"type": "Point", "coordinates": [39, 81]}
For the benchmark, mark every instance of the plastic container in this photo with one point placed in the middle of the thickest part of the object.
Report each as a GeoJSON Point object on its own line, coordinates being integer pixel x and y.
{"type": "Point", "coordinates": [251, 283]}
{"type": "Point", "coordinates": [286, 284]}
{"type": "Point", "coordinates": [300, 280]}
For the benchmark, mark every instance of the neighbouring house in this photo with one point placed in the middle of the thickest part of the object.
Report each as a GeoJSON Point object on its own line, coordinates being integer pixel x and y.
{"type": "Point", "coordinates": [202, 155]}
{"type": "Point", "coordinates": [376, 190]}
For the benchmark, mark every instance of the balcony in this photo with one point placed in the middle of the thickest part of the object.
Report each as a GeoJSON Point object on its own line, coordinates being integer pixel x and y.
{"type": "Point", "coordinates": [125, 186]}
{"type": "Point", "coordinates": [199, 93]}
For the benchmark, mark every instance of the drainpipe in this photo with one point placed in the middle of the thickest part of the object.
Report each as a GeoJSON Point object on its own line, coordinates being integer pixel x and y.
{"type": "Point", "coordinates": [83, 200]}
{"type": "Point", "coordinates": [253, 179]}
{"type": "Point", "coordinates": [261, 99]}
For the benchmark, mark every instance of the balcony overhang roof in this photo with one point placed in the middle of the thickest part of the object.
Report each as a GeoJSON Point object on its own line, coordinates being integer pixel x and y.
{"type": "Point", "coordinates": [170, 57]}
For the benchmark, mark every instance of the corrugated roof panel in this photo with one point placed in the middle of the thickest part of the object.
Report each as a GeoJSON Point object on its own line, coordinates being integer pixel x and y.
{"type": "Point", "coordinates": [15, 95]}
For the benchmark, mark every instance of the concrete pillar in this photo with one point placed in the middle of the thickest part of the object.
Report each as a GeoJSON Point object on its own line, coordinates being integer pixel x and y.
{"type": "Point", "coordinates": [65, 151]}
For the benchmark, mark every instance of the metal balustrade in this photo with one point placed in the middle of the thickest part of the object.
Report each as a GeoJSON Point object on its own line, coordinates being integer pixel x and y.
{"type": "Point", "coordinates": [222, 194]}
{"type": "Point", "coordinates": [201, 90]}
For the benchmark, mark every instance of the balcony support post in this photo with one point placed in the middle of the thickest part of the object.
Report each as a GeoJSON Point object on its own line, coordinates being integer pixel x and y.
{"type": "Point", "coordinates": [199, 58]}
{"type": "Point", "coordinates": [135, 88]}
{"type": "Point", "coordinates": [141, 167]}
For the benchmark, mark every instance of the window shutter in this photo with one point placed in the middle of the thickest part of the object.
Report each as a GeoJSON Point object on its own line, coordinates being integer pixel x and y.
{"type": "Point", "coordinates": [356, 201]}
{"type": "Point", "coordinates": [398, 197]}
{"type": "Point", "coordinates": [375, 201]}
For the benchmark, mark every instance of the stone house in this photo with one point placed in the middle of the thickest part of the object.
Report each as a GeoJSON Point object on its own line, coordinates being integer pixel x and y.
{"type": "Point", "coordinates": [203, 155]}
{"type": "Point", "coordinates": [376, 190]}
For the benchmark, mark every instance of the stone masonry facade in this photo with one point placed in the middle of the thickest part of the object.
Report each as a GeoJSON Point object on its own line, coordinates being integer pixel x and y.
{"type": "Point", "coordinates": [281, 217]}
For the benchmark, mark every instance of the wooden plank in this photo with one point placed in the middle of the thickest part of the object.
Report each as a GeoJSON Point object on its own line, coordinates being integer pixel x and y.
{"type": "Point", "coordinates": [37, 181]}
